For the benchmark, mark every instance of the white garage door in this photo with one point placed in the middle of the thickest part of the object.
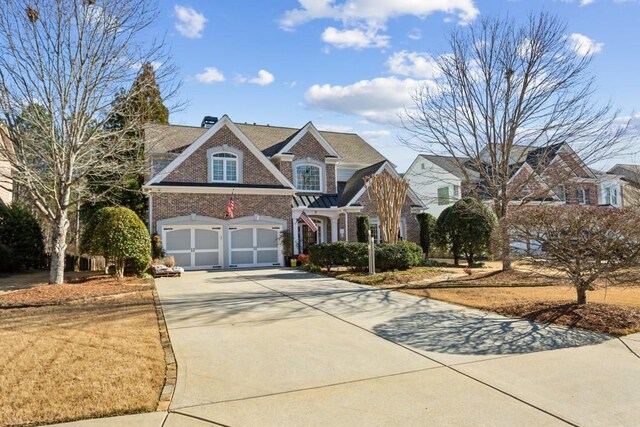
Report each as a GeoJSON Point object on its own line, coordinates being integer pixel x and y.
{"type": "Point", "coordinates": [194, 247]}
{"type": "Point", "coordinates": [254, 246]}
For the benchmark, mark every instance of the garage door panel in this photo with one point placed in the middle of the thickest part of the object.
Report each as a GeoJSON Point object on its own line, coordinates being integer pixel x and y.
{"type": "Point", "coordinates": [178, 240]}
{"type": "Point", "coordinates": [242, 257]}
{"type": "Point", "coordinates": [242, 238]}
{"type": "Point", "coordinates": [267, 238]}
{"type": "Point", "coordinates": [182, 260]}
{"type": "Point", "coordinates": [268, 257]}
{"type": "Point", "coordinates": [206, 239]}
{"type": "Point", "coordinates": [207, 259]}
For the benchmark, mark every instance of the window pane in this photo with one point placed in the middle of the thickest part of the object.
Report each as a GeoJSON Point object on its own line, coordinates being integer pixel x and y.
{"type": "Point", "coordinates": [231, 170]}
{"type": "Point", "coordinates": [217, 170]}
{"type": "Point", "coordinates": [308, 177]}
{"type": "Point", "coordinates": [443, 196]}
{"type": "Point", "coordinates": [225, 155]}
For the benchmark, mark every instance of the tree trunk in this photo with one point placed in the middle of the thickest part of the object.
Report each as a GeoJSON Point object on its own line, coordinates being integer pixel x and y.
{"type": "Point", "coordinates": [582, 295]}
{"type": "Point", "coordinates": [59, 248]}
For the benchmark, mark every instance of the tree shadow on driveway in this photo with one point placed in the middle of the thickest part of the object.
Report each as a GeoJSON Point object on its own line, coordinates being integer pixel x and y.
{"type": "Point", "coordinates": [471, 333]}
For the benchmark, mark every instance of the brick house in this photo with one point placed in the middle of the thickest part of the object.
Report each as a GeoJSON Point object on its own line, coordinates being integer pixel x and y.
{"type": "Point", "coordinates": [274, 174]}
{"type": "Point", "coordinates": [553, 174]}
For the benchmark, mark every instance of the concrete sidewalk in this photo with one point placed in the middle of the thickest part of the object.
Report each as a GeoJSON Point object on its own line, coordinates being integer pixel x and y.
{"type": "Point", "coordinates": [285, 348]}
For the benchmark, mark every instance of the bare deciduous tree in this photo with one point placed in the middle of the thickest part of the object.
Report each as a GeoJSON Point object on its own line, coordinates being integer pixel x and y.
{"type": "Point", "coordinates": [585, 243]}
{"type": "Point", "coordinates": [62, 63]}
{"type": "Point", "coordinates": [388, 194]}
{"type": "Point", "coordinates": [503, 91]}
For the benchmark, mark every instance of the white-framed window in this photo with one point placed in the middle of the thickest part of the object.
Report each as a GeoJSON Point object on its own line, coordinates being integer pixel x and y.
{"type": "Point", "coordinates": [224, 167]}
{"type": "Point", "coordinates": [308, 177]}
{"type": "Point", "coordinates": [583, 196]}
{"type": "Point", "coordinates": [377, 234]}
{"type": "Point", "coordinates": [456, 191]}
{"type": "Point", "coordinates": [611, 196]}
{"type": "Point", "coordinates": [561, 192]}
{"type": "Point", "coordinates": [443, 196]}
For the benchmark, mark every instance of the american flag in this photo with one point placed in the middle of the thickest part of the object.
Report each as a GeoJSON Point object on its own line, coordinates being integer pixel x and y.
{"type": "Point", "coordinates": [231, 205]}
{"type": "Point", "coordinates": [305, 218]}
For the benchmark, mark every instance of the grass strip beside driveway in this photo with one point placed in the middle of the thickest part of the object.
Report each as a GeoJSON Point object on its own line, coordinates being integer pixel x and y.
{"type": "Point", "coordinates": [88, 358]}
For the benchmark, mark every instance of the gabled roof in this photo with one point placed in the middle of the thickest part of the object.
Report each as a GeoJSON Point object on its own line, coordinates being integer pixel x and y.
{"type": "Point", "coordinates": [350, 147]}
{"type": "Point", "coordinates": [630, 173]}
{"type": "Point", "coordinates": [355, 187]}
{"type": "Point", "coordinates": [224, 121]}
{"type": "Point", "coordinates": [356, 183]}
{"type": "Point", "coordinates": [308, 128]}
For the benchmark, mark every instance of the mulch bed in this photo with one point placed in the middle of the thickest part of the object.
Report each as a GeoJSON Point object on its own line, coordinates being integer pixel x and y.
{"type": "Point", "coordinates": [605, 318]}
{"type": "Point", "coordinates": [86, 287]}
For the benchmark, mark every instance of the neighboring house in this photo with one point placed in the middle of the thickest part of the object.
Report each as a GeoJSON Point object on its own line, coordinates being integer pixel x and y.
{"type": "Point", "coordinates": [553, 174]}
{"type": "Point", "coordinates": [273, 174]}
{"type": "Point", "coordinates": [622, 186]}
{"type": "Point", "coordinates": [6, 183]}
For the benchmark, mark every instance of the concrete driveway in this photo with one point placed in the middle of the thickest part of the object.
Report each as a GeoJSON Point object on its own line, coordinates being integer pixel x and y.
{"type": "Point", "coordinates": [285, 348]}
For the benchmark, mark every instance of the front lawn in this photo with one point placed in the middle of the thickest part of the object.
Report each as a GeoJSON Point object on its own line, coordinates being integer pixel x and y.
{"type": "Point", "coordinates": [83, 350]}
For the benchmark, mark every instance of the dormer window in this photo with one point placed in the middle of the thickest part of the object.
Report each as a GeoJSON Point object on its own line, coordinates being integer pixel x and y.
{"type": "Point", "coordinates": [308, 177]}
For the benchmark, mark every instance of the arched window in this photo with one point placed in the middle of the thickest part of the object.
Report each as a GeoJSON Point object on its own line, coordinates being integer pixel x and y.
{"type": "Point", "coordinates": [224, 167]}
{"type": "Point", "coordinates": [308, 177]}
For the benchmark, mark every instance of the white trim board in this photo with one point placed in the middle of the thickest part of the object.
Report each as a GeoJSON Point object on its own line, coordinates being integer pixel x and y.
{"type": "Point", "coordinates": [225, 120]}
{"type": "Point", "coordinates": [153, 189]}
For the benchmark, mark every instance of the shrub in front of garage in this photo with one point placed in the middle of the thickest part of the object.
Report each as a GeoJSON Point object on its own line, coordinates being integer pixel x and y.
{"type": "Point", "coordinates": [400, 256]}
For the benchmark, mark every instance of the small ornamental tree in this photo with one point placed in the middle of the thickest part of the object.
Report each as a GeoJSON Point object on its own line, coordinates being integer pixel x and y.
{"type": "Point", "coordinates": [157, 251]}
{"type": "Point", "coordinates": [363, 225]}
{"type": "Point", "coordinates": [388, 193]}
{"type": "Point", "coordinates": [585, 243]}
{"type": "Point", "coordinates": [475, 223]}
{"type": "Point", "coordinates": [427, 230]}
{"type": "Point", "coordinates": [447, 234]}
{"type": "Point", "coordinates": [21, 235]}
{"type": "Point", "coordinates": [121, 237]}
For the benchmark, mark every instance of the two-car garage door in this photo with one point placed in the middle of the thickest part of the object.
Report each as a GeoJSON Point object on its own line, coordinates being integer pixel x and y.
{"type": "Point", "coordinates": [210, 247]}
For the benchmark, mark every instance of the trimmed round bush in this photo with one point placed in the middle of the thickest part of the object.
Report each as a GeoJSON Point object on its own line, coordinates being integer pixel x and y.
{"type": "Point", "coordinates": [121, 237]}
{"type": "Point", "coordinates": [21, 235]}
{"type": "Point", "coordinates": [401, 256]}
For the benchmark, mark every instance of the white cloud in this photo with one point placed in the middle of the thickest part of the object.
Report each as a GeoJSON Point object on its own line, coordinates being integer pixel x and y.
{"type": "Point", "coordinates": [210, 75]}
{"type": "Point", "coordinates": [375, 134]}
{"type": "Point", "coordinates": [415, 34]}
{"type": "Point", "coordinates": [375, 12]}
{"type": "Point", "coordinates": [378, 100]}
{"type": "Point", "coordinates": [413, 64]}
{"type": "Point", "coordinates": [190, 22]}
{"type": "Point", "coordinates": [334, 128]}
{"type": "Point", "coordinates": [263, 78]}
{"type": "Point", "coordinates": [355, 38]}
{"type": "Point", "coordinates": [583, 45]}
{"type": "Point", "coordinates": [363, 20]}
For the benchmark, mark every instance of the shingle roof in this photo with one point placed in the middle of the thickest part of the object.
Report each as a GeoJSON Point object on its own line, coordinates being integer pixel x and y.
{"type": "Point", "coordinates": [452, 165]}
{"type": "Point", "coordinates": [356, 183]}
{"type": "Point", "coordinates": [269, 139]}
{"type": "Point", "coordinates": [630, 173]}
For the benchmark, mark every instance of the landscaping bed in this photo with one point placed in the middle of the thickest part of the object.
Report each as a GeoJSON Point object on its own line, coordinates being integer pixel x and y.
{"type": "Point", "coordinates": [91, 349]}
{"type": "Point", "coordinates": [389, 278]}
{"type": "Point", "coordinates": [76, 288]}
{"type": "Point", "coordinates": [606, 318]}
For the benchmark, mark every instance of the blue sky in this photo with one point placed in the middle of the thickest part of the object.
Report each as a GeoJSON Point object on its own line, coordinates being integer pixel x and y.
{"type": "Point", "coordinates": [349, 65]}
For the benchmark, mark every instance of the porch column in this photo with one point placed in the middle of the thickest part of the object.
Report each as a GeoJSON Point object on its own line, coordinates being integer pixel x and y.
{"type": "Point", "coordinates": [296, 238]}
{"type": "Point", "coordinates": [334, 229]}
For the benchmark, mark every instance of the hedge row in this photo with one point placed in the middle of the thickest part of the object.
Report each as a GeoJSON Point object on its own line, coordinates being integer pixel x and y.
{"type": "Point", "coordinates": [400, 256]}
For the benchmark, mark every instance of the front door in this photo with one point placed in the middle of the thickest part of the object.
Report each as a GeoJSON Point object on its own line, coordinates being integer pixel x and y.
{"type": "Point", "coordinates": [307, 237]}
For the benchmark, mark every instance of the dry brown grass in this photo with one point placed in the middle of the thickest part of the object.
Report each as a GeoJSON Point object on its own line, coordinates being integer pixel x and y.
{"type": "Point", "coordinates": [492, 298]}
{"type": "Point", "coordinates": [88, 358]}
